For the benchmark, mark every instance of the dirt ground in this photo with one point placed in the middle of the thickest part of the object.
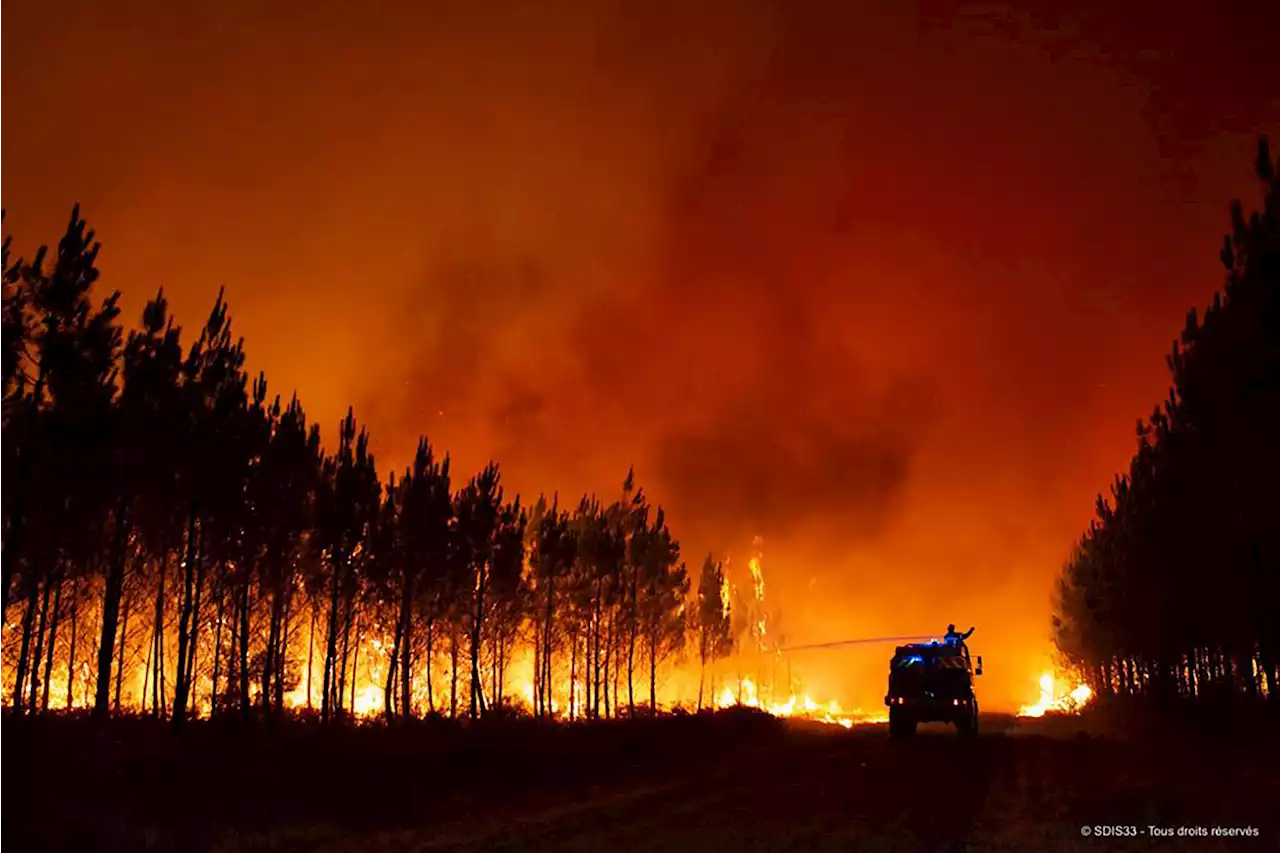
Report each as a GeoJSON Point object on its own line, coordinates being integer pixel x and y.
{"type": "Point", "coordinates": [704, 784]}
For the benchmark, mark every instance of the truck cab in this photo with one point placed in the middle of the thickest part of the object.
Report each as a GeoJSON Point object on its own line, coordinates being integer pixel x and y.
{"type": "Point", "coordinates": [932, 682]}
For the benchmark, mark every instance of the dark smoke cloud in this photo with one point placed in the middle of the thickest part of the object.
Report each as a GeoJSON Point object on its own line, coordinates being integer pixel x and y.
{"type": "Point", "coordinates": [774, 462]}
{"type": "Point", "coordinates": [711, 365]}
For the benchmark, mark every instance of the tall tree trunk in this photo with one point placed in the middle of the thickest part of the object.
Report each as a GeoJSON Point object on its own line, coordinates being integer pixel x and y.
{"type": "Point", "coordinates": [404, 645]}
{"type": "Point", "coordinates": [193, 626]}
{"type": "Point", "coordinates": [595, 656]}
{"type": "Point", "coordinates": [431, 653]}
{"type": "Point", "coordinates": [453, 679]}
{"type": "Point", "coordinates": [282, 654]}
{"type": "Point", "coordinates": [546, 642]}
{"type": "Point", "coordinates": [617, 674]}
{"type": "Point", "coordinates": [161, 673]}
{"type": "Point", "coordinates": [588, 666]}
{"type": "Point", "coordinates": [702, 679]}
{"type": "Point", "coordinates": [589, 669]}
{"type": "Point", "coordinates": [395, 690]}
{"type": "Point", "coordinates": [271, 655]}
{"type": "Point", "coordinates": [537, 672]}
{"type": "Point", "coordinates": [278, 652]}
{"type": "Point", "coordinates": [340, 699]}
{"type": "Point", "coordinates": [180, 682]}
{"type": "Point", "coordinates": [355, 664]}
{"type": "Point", "coordinates": [231, 692]}
{"type": "Point", "coordinates": [157, 639]}
{"type": "Point", "coordinates": [331, 643]}
{"type": "Point", "coordinates": [616, 667]}
{"type": "Point", "coordinates": [24, 655]}
{"type": "Point", "coordinates": [111, 608]}
{"type": "Point", "coordinates": [242, 642]}
{"type": "Point", "coordinates": [238, 680]}
{"type": "Point", "coordinates": [311, 649]}
{"type": "Point", "coordinates": [601, 671]}
{"type": "Point", "coordinates": [493, 668]}
{"type": "Point", "coordinates": [146, 672]}
{"type": "Point", "coordinates": [499, 690]}
{"type": "Point", "coordinates": [392, 664]}
{"type": "Point", "coordinates": [124, 637]}
{"type": "Point", "coordinates": [477, 697]}
{"type": "Point", "coordinates": [194, 648]}
{"type": "Point", "coordinates": [631, 659]}
{"type": "Point", "coordinates": [545, 676]}
{"type": "Point", "coordinates": [653, 676]}
{"type": "Point", "coordinates": [573, 676]}
{"type": "Point", "coordinates": [608, 655]}
{"type": "Point", "coordinates": [598, 692]}
{"type": "Point", "coordinates": [53, 642]}
{"type": "Point", "coordinates": [71, 647]}
{"type": "Point", "coordinates": [38, 658]}
{"type": "Point", "coordinates": [268, 657]}
{"type": "Point", "coordinates": [217, 650]}
{"type": "Point", "coordinates": [151, 677]}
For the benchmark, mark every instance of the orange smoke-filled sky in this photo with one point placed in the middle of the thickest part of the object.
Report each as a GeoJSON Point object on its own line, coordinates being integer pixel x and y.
{"type": "Point", "coordinates": [887, 285]}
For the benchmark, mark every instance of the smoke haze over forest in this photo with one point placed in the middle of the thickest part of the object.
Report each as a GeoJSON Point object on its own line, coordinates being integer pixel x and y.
{"type": "Point", "coordinates": [885, 286]}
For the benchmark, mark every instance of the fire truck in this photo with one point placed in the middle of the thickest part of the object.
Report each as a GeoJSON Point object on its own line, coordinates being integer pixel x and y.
{"type": "Point", "coordinates": [932, 682]}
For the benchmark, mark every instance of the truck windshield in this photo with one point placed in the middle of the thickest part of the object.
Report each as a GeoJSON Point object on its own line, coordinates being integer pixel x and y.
{"type": "Point", "coordinates": [913, 672]}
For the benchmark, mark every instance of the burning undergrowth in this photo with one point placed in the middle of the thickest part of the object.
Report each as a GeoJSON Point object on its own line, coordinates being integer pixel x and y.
{"type": "Point", "coordinates": [1056, 697]}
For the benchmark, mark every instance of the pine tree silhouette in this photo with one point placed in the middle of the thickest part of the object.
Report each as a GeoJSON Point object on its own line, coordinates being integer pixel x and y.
{"type": "Point", "coordinates": [1170, 592]}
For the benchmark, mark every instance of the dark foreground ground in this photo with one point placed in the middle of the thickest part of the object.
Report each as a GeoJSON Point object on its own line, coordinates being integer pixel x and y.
{"type": "Point", "coordinates": [729, 782]}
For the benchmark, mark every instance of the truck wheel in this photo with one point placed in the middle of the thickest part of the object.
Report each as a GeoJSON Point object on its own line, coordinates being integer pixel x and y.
{"type": "Point", "coordinates": [900, 725]}
{"type": "Point", "coordinates": [968, 726]}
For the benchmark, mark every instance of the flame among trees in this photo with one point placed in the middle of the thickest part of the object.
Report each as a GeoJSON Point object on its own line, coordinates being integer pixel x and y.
{"type": "Point", "coordinates": [715, 634]}
{"type": "Point", "coordinates": [1173, 590]}
{"type": "Point", "coordinates": [164, 509]}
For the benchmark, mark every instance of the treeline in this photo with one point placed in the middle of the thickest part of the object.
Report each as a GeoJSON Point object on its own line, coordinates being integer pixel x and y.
{"type": "Point", "coordinates": [1174, 590]}
{"type": "Point", "coordinates": [165, 516]}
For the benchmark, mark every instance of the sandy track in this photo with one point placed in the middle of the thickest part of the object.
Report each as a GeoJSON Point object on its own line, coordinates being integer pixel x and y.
{"type": "Point", "coordinates": [1013, 788]}
{"type": "Point", "coordinates": [858, 791]}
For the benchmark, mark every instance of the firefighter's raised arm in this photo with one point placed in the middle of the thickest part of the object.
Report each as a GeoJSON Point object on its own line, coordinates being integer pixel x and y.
{"type": "Point", "coordinates": [967, 634]}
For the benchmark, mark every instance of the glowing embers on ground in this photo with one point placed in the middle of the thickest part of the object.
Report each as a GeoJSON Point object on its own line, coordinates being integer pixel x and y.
{"type": "Point", "coordinates": [1051, 701]}
{"type": "Point", "coordinates": [740, 694]}
{"type": "Point", "coordinates": [799, 707]}
{"type": "Point", "coordinates": [571, 704]}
